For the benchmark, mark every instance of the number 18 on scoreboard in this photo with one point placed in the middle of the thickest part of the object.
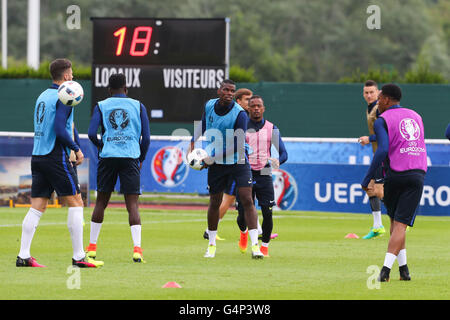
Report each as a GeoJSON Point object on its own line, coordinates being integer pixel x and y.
{"type": "Point", "coordinates": [173, 66]}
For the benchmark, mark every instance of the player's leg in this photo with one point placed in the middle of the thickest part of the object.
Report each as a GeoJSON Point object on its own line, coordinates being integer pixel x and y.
{"type": "Point", "coordinates": [267, 227]}
{"type": "Point", "coordinates": [41, 191]}
{"type": "Point", "coordinates": [29, 226]}
{"type": "Point", "coordinates": [134, 220]}
{"type": "Point", "coordinates": [375, 205]}
{"type": "Point", "coordinates": [409, 192]}
{"type": "Point", "coordinates": [217, 180]}
{"type": "Point", "coordinates": [243, 234]}
{"type": "Point", "coordinates": [263, 190]}
{"type": "Point", "coordinates": [229, 198]}
{"type": "Point", "coordinates": [107, 173]}
{"type": "Point", "coordinates": [65, 182]}
{"type": "Point", "coordinates": [213, 220]}
{"type": "Point", "coordinates": [244, 183]}
{"type": "Point", "coordinates": [75, 226]}
{"type": "Point", "coordinates": [97, 217]}
{"type": "Point", "coordinates": [245, 197]}
{"type": "Point", "coordinates": [130, 185]}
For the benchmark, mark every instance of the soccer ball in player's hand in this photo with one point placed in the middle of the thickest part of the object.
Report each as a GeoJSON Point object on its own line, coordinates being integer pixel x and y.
{"type": "Point", "coordinates": [195, 158]}
{"type": "Point", "coordinates": [70, 93]}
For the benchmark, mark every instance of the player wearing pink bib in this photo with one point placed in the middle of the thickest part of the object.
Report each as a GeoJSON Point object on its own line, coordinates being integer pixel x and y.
{"type": "Point", "coordinates": [260, 136]}
{"type": "Point", "coordinates": [401, 148]}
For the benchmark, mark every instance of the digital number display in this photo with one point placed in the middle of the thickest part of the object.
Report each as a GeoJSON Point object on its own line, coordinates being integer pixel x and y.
{"type": "Point", "coordinates": [173, 66]}
{"type": "Point", "coordinates": [159, 41]}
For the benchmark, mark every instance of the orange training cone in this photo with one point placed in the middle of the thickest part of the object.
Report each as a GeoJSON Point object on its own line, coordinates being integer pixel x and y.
{"type": "Point", "coordinates": [351, 236]}
{"type": "Point", "coordinates": [171, 284]}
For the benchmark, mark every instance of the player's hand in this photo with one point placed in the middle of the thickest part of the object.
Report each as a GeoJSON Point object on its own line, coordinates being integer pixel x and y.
{"type": "Point", "coordinates": [189, 150]}
{"type": "Point", "coordinates": [207, 162]}
{"type": "Point", "coordinates": [80, 157]}
{"type": "Point", "coordinates": [275, 163]}
{"type": "Point", "coordinates": [140, 165]}
{"type": "Point", "coordinates": [363, 140]}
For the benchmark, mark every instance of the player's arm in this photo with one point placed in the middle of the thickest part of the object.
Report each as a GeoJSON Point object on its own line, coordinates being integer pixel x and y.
{"type": "Point", "coordinates": [280, 147]}
{"type": "Point", "coordinates": [93, 127]}
{"type": "Point", "coordinates": [76, 136]}
{"type": "Point", "coordinates": [198, 132]}
{"type": "Point", "coordinates": [62, 114]}
{"type": "Point", "coordinates": [367, 139]}
{"type": "Point", "coordinates": [145, 140]}
{"type": "Point", "coordinates": [381, 153]}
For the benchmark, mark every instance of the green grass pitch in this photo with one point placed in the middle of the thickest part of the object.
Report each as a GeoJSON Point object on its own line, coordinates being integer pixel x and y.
{"type": "Point", "coordinates": [310, 259]}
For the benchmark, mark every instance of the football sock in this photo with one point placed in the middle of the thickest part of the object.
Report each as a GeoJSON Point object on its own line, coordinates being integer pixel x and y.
{"type": "Point", "coordinates": [401, 258]}
{"type": "Point", "coordinates": [375, 205]}
{"type": "Point", "coordinates": [95, 231]}
{"type": "Point", "coordinates": [136, 235]}
{"type": "Point", "coordinates": [253, 233]}
{"type": "Point", "coordinates": [75, 225]}
{"type": "Point", "coordinates": [260, 231]}
{"type": "Point", "coordinates": [29, 225]}
{"type": "Point", "coordinates": [212, 237]}
{"type": "Point", "coordinates": [389, 260]}
{"type": "Point", "coordinates": [377, 219]}
{"type": "Point", "coordinates": [265, 244]}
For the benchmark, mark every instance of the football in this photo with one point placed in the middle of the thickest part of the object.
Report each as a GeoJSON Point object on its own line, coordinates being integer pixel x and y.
{"type": "Point", "coordinates": [70, 93]}
{"type": "Point", "coordinates": [195, 158]}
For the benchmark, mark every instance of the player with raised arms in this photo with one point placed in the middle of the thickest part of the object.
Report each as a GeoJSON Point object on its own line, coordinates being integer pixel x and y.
{"type": "Point", "coordinates": [52, 170]}
{"type": "Point", "coordinates": [122, 150]}
{"type": "Point", "coordinates": [224, 123]}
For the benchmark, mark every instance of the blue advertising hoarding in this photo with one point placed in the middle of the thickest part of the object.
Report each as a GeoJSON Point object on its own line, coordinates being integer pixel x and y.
{"type": "Point", "coordinates": [302, 183]}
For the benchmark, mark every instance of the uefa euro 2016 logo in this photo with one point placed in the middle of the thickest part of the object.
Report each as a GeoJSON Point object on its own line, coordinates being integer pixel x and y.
{"type": "Point", "coordinates": [409, 129]}
{"type": "Point", "coordinates": [118, 118]}
{"type": "Point", "coordinates": [168, 167]}
{"type": "Point", "coordinates": [285, 189]}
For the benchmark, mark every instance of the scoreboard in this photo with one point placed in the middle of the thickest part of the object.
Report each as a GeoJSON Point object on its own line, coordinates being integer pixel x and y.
{"type": "Point", "coordinates": [173, 66]}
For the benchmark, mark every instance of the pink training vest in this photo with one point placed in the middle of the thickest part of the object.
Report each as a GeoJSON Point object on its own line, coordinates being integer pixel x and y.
{"type": "Point", "coordinates": [260, 142]}
{"type": "Point", "coordinates": [407, 150]}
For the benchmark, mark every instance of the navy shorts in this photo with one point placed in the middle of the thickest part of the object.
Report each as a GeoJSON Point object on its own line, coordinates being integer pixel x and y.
{"type": "Point", "coordinates": [50, 173]}
{"type": "Point", "coordinates": [263, 189]}
{"type": "Point", "coordinates": [379, 176]}
{"type": "Point", "coordinates": [402, 194]}
{"type": "Point", "coordinates": [219, 175]}
{"type": "Point", "coordinates": [127, 169]}
{"type": "Point", "coordinates": [231, 187]}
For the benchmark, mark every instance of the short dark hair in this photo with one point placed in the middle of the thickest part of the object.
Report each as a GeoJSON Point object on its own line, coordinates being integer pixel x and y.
{"type": "Point", "coordinates": [242, 92]}
{"type": "Point", "coordinates": [227, 81]}
{"type": "Point", "coordinates": [392, 91]}
{"type": "Point", "coordinates": [117, 81]}
{"type": "Point", "coordinates": [58, 67]}
{"type": "Point", "coordinates": [255, 97]}
{"type": "Point", "coordinates": [370, 83]}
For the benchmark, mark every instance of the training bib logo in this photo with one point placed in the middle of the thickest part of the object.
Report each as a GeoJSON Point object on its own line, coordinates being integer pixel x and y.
{"type": "Point", "coordinates": [40, 112]}
{"type": "Point", "coordinates": [168, 167]}
{"type": "Point", "coordinates": [285, 190]}
{"type": "Point", "coordinates": [409, 129]}
{"type": "Point", "coordinates": [118, 118]}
